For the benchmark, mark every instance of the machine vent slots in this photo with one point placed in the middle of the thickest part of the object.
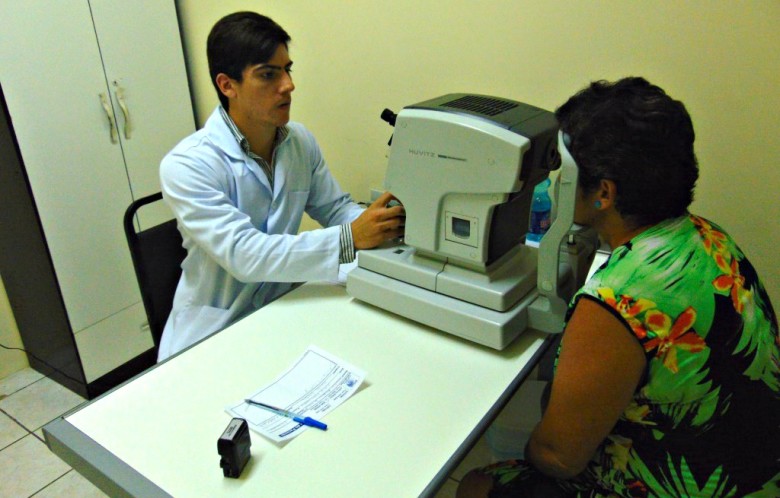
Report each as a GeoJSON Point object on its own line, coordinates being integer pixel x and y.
{"type": "Point", "coordinates": [482, 105]}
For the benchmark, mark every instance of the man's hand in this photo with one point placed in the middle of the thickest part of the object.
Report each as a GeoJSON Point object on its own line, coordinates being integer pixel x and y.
{"type": "Point", "coordinates": [378, 223]}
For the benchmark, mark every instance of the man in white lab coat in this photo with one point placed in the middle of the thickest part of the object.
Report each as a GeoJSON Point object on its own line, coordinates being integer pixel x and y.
{"type": "Point", "coordinates": [239, 188]}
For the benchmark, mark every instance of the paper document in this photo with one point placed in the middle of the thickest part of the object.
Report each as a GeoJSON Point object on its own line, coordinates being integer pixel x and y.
{"type": "Point", "coordinates": [315, 384]}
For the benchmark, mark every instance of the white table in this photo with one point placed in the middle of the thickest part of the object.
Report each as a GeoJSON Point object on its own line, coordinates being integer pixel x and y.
{"type": "Point", "coordinates": [427, 398]}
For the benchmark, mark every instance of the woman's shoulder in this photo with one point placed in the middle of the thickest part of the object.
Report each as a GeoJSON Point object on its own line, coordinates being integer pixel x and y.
{"type": "Point", "coordinates": [660, 274]}
{"type": "Point", "coordinates": [683, 269]}
{"type": "Point", "coordinates": [673, 250]}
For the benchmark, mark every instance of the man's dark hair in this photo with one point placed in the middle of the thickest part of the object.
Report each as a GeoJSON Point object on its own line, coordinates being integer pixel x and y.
{"type": "Point", "coordinates": [633, 133]}
{"type": "Point", "coordinates": [239, 40]}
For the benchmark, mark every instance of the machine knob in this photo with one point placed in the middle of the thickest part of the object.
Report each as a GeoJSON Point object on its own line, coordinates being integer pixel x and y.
{"type": "Point", "coordinates": [389, 116]}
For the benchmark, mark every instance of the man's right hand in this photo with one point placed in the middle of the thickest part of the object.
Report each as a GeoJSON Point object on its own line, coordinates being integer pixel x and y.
{"type": "Point", "coordinates": [378, 223]}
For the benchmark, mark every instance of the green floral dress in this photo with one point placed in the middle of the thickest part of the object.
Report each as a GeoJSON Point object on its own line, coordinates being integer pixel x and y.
{"type": "Point", "coordinates": [705, 419]}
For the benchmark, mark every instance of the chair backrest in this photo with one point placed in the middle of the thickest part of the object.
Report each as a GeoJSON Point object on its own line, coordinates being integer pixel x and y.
{"type": "Point", "coordinates": [157, 255]}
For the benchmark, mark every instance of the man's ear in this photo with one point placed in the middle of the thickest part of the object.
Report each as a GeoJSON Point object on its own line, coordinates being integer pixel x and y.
{"type": "Point", "coordinates": [226, 85]}
{"type": "Point", "coordinates": [607, 193]}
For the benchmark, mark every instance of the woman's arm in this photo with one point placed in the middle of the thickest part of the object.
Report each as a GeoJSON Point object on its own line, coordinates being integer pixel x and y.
{"type": "Point", "coordinates": [599, 368]}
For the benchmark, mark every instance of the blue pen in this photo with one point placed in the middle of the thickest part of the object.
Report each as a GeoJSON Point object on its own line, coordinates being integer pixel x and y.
{"type": "Point", "coordinates": [303, 420]}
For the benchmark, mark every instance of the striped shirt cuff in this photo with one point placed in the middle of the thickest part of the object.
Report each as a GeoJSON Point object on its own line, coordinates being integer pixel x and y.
{"type": "Point", "coordinates": [347, 253]}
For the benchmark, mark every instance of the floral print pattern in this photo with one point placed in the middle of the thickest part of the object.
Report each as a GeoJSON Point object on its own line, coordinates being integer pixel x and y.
{"type": "Point", "coordinates": [705, 421]}
{"type": "Point", "coordinates": [687, 293]}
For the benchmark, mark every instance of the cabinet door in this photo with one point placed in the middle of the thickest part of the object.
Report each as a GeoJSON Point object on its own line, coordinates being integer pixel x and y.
{"type": "Point", "coordinates": [144, 64]}
{"type": "Point", "coordinates": [53, 78]}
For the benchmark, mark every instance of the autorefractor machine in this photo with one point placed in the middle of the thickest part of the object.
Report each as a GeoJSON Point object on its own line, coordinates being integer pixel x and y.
{"type": "Point", "coordinates": [464, 167]}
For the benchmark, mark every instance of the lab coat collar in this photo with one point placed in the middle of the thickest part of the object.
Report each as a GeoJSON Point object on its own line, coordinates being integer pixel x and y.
{"type": "Point", "coordinates": [224, 138]}
{"type": "Point", "coordinates": [280, 176]}
{"type": "Point", "coordinates": [221, 127]}
{"type": "Point", "coordinates": [221, 135]}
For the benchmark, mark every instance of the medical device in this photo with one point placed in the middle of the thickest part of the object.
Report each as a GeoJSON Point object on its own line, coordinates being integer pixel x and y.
{"type": "Point", "coordinates": [464, 167]}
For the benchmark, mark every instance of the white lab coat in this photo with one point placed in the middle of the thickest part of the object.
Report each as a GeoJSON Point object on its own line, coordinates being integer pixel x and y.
{"type": "Point", "coordinates": [242, 241]}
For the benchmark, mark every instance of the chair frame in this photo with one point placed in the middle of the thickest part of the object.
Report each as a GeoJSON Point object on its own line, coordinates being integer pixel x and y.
{"type": "Point", "coordinates": [157, 290]}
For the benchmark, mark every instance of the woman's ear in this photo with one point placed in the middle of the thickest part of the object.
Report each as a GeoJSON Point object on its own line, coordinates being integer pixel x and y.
{"type": "Point", "coordinates": [606, 194]}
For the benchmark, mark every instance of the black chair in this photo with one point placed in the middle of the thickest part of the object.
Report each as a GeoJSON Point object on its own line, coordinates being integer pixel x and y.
{"type": "Point", "coordinates": [157, 254]}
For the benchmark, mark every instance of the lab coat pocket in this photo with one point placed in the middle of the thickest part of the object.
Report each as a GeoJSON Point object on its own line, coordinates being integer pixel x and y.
{"type": "Point", "coordinates": [197, 322]}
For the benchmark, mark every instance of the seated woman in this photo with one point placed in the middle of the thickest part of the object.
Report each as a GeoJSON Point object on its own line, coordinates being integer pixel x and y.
{"type": "Point", "coordinates": [668, 376]}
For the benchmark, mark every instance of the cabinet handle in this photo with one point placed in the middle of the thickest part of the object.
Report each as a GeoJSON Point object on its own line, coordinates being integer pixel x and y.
{"type": "Point", "coordinates": [120, 98]}
{"type": "Point", "coordinates": [110, 116]}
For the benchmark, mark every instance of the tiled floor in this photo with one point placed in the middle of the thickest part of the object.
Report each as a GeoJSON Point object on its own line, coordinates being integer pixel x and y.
{"type": "Point", "coordinates": [28, 401]}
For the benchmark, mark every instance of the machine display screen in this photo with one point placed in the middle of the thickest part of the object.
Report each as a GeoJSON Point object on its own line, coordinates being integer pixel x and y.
{"type": "Point", "coordinates": [461, 227]}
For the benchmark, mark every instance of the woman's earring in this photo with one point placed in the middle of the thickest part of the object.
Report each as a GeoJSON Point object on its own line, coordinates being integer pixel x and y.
{"type": "Point", "coordinates": [597, 204]}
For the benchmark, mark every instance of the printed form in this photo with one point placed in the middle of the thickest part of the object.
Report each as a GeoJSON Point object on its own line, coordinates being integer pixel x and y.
{"type": "Point", "coordinates": [316, 383]}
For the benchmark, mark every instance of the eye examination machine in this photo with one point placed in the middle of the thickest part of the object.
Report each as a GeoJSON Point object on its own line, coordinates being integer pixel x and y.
{"type": "Point", "coordinates": [464, 167]}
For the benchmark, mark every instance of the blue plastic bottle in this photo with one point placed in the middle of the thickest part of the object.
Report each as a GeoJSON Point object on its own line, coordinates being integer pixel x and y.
{"type": "Point", "coordinates": [540, 212]}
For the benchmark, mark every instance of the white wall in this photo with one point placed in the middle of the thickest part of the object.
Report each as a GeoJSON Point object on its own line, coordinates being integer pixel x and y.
{"type": "Point", "coordinates": [720, 57]}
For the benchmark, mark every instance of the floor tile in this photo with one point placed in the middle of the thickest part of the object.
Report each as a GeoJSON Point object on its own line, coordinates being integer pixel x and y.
{"type": "Point", "coordinates": [39, 403]}
{"type": "Point", "coordinates": [10, 431]}
{"type": "Point", "coordinates": [71, 484]}
{"type": "Point", "coordinates": [28, 466]}
{"type": "Point", "coordinates": [18, 380]}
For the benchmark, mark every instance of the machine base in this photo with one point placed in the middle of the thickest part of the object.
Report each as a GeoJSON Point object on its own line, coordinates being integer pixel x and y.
{"type": "Point", "coordinates": [481, 325]}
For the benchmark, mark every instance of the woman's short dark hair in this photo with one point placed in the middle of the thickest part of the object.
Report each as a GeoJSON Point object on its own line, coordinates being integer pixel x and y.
{"type": "Point", "coordinates": [633, 133]}
{"type": "Point", "coordinates": [239, 40]}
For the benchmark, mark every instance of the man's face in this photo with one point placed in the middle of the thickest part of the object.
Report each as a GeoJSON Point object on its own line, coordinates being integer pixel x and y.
{"type": "Point", "coordinates": [264, 95]}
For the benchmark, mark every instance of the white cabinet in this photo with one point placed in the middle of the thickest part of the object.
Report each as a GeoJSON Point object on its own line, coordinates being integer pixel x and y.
{"type": "Point", "coordinates": [97, 93]}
